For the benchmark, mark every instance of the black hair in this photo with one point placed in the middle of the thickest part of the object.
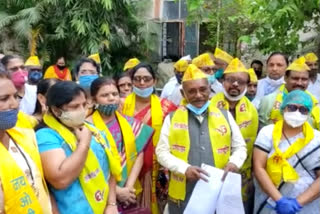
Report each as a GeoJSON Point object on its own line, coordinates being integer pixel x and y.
{"type": "Point", "coordinates": [99, 82]}
{"type": "Point", "coordinates": [256, 61]}
{"type": "Point", "coordinates": [85, 60]}
{"type": "Point", "coordinates": [121, 75]}
{"type": "Point", "coordinates": [42, 88]}
{"type": "Point", "coordinates": [6, 59]}
{"type": "Point", "coordinates": [63, 93]}
{"type": "Point", "coordinates": [288, 72]}
{"type": "Point", "coordinates": [146, 66]}
{"type": "Point", "coordinates": [4, 74]}
{"type": "Point", "coordinates": [279, 53]}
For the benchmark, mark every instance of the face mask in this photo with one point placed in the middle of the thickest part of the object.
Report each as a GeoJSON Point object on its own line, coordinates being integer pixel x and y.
{"type": "Point", "coordinates": [34, 77]}
{"type": "Point", "coordinates": [19, 78]}
{"type": "Point", "coordinates": [232, 98]}
{"type": "Point", "coordinates": [295, 119]}
{"type": "Point", "coordinates": [61, 67]}
{"type": "Point", "coordinates": [107, 109]}
{"type": "Point", "coordinates": [8, 119]}
{"type": "Point", "coordinates": [146, 92]}
{"type": "Point", "coordinates": [198, 111]}
{"type": "Point", "coordinates": [179, 77]}
{"type": "Point", "coordinates": [73, 118]}
{"type": "Point", "coordinates": [211, 79]}
{"type": "Point", "coordinates": [250, 97]}
{"type": "Point", "coordinates": [86, 80]}
{"type": "Point", "coordinates": [258, 73]}
{"type": "Point", "coordinates": [219, 73]}
{"type": "Point", "coordinates": [273, 82]}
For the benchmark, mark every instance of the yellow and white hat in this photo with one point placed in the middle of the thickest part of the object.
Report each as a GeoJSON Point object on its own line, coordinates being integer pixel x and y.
{"type": "Point", "coordinates": [203, 60]}
{"type": "Point", "coordinates": [235, 66]}
{"type": "Point", "coordinates": [181, 65]}
{"type": "Point", "coordinates": [299, 65]}
{"type": "Point", "coordinates": [193, 73]}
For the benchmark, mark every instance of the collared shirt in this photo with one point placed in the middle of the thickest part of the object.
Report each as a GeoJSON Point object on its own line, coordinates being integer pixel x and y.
{"type": "Point", "coordinates": [28, 101]}
{"type": "Point", "coordinates": [314, 88]}
{"type": "Point", "coordinates": [174, 164]}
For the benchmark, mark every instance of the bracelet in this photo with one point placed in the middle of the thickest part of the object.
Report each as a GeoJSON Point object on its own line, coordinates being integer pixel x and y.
{"type": "Point", "coordinates": [112, 204]}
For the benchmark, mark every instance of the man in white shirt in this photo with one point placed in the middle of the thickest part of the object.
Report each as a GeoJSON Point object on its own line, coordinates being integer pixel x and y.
{"type": "Point", "coordinates": [276, 68]}
{"type": "Point", "coordinates": [171, 90]}
{"type": "Point", "coordinates": [185, 141]}
{"type": "Point", "coordinates": [314, 83]}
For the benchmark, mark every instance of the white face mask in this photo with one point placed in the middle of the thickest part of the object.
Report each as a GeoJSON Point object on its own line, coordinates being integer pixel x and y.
{"type": "Point", "coordinates": [295, 119]}
{"type": "Point", "coordinates": [275, 82]}
{"type": "Point", "coordinates": [73, 118]}
{"type": "Point", "coordinates": [234, 98]}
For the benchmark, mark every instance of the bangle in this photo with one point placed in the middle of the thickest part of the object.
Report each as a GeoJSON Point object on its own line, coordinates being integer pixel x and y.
{"type": "Point", "coordinates": [112, 204]}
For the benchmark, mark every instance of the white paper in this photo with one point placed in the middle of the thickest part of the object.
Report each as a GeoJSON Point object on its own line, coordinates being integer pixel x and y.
{"type": "Point", "coordinates": [230, 199]}
{"type": "Point", "coordinates": [215, 195]}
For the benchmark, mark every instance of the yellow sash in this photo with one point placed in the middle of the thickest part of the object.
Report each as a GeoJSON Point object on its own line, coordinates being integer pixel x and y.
{"type": "Point", "coordinates": [128, 141]}
{"type": "Point", "coordinates": [179, 140]}
{"type": "Point", "coordinates": [275, 114]}
{"type": "Point", "coordinates": [91, 178]}
{"type": "Point", "coordinates": [19, 195]}
{"type": "Point", "coordinates": [156, 124]}
{"type": "Point", "coordinates": [278, 168]}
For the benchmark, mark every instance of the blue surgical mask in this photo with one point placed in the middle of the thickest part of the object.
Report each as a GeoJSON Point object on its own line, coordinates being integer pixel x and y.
{"type": "Point", "coordinates": [8, 119]}
{"type": "Point", "coordinates": [107, 109]}
{"type": "Point", "coordinates": [198, 111]}
{"type": "Point", "coordinates": [219, 73]}
{"type": "Point", "coordinates": [34, 76]}
{"type": "Point", "coordinates": [146, 92]}
{"type": "Point", "coordinates": [86, 80]}
{"type": "Point", "coordinates": [211, 79]}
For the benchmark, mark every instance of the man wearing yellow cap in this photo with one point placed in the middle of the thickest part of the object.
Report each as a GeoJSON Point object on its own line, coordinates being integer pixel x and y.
{"type": "Point", "coordinates": [171, 90]}
{"type": "Point", "coordinates": [206, 64]}
{"type": "Point", "coordinates": [221, 59]}
{"type": "Point", "coordinates": [186, 142]}
{"type": "Point", "coordinates": [296, 77]}
{"type": "Point", "coordinates": [314, 83]}
{"type": "Point", "coordinates": [235, 80]}
{"type": "Point", "coordinates": [130, 64]}
{"type": "Point", "coordinates": [252, 86]}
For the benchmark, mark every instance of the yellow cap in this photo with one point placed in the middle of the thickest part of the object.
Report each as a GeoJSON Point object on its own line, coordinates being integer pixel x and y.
{"type": "Point", "coordinates": [203, 60]}
{"type": "Point", "coordinates": [181, 65]}
{"type": "Point", "coordinates": [193, 73]}
{"type": "Point", "coordinates": [131, 63]}
{"type": "Point", "coordinates": [253, 76]}
{"type": "Point", "coordinates": [95, 57]}
{"type": "Point", "coordinates": [299, 65]}
{"type": "Point", "coordinates": [235, 66]}
{"type": "Point", "coordinates": [32, 61]}
{"type": "Point", "coordinates": [220, 54]}
{"type": "Point", "coordinates": [311, 57]}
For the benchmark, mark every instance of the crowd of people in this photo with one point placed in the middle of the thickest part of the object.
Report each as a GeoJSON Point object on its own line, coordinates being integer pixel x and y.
{"type": "Point", "coordinates": [81, 142]}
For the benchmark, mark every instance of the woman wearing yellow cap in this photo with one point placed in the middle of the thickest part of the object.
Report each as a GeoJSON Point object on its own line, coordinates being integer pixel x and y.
{"type": "Point", "coordinates": [145, 106]}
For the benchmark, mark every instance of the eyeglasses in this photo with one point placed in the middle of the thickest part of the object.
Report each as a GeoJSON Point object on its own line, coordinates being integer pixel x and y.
{"type": "Point", "coordinates": [145, 79]}
{"type": "Point", "coordinates": [17, 68]}
{"type": "Point", "coordinates": [233, 80]}
{"type": "Point", "coordinates": [293, 108]}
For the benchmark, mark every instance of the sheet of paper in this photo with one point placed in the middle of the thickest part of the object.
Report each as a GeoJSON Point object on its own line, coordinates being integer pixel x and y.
{"type": "Point", "coordinates": [205, 194]}
{"type": "Point", "coordinates": [230, 199]}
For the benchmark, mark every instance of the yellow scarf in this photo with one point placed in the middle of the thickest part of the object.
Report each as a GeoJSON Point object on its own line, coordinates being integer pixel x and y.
{"type": "Point", "coordinates": [275, 114]}
{"type": "Point", "coordinates": [278, 168]}
{"type": "Point", "coordinates": [128, 141]}
{"type": "Point", "coordinates": [156, 124]}
{"type": "Point", "coordinates": [19, 195]}
{"type": "Point", "coordinates": [179, 140]}
{"type": "Point", "coordinates": [92, 180]}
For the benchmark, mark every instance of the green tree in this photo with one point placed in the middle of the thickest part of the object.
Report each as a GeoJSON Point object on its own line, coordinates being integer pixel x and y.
{"type": "Point", "coordinates": [77, 27]}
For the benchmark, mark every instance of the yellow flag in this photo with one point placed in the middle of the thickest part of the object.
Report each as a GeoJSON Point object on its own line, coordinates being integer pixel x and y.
{"type": "Point", "coordinates": [131, 63]}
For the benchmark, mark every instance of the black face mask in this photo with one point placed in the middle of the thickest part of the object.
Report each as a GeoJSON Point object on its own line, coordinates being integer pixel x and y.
{"type": "Point", "coordinates": [258, 73]}
{"type": "Point", "coordinates": [61, 67]}
{"type": "Point", "coordinates": [179, 77]}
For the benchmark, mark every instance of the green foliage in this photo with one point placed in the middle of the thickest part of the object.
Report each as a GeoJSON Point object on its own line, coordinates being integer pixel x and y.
{"type": "Point", "coordinates": [275, 24]}
{"type": "Point", "coordinates": [77, 28]}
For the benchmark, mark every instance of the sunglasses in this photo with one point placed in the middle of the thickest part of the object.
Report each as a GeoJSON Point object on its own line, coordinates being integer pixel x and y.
{"type": "Point", "coordinates": [145, 79]}
{"type": "Point", "coordinates": [293, 108]}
